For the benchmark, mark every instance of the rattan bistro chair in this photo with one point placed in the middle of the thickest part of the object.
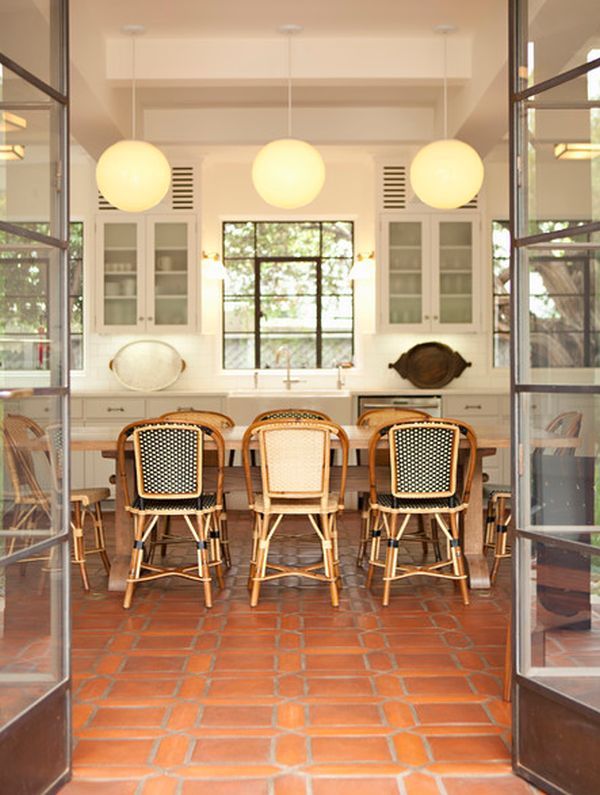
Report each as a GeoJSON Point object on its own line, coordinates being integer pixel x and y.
{"type": "Point", "coordinates": [291, 414]}
{"type": "Point", "coordinates": [375, 418]}
{"type": "Point", "coordinates": [216, 420]}
{"type": "Point", "coordinates": [27, 446]}
{"type": "Point", "coordinates": [424, 460]}
{"type": "Point", "coordinates": [169, 461]}
{"type": "Point", "coordinates": [499, 514]}
{"type": "Point", "coordinates": [295, 474]}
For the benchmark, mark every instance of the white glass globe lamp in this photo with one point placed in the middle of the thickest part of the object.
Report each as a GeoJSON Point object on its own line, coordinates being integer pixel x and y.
{"type": "Point", "coordinates": [288, 173]}
{"type": "Point", "coordinates": [133, 175]}
{"type": "Point", "coordinates": [446, 174]}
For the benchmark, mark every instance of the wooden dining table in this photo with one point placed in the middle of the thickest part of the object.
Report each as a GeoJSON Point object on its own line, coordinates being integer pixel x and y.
{"type": "Point", "coordinates": [489, 439]}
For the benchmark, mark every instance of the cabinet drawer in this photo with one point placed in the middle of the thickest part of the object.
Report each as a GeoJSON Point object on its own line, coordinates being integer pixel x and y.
{"type": "Point", "coordinates": [471, 406]}
{"type": "Point", "coordinates": [115, 409]}
{"type": "Point", "coordinates": [156, 406]}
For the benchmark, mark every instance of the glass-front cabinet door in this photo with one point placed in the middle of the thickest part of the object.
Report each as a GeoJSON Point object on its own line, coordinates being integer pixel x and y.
{"type": "Point", "coordinates": [454, 249]}
{"type": "Point", "coordinates": [122, 277]}
{"type": "Point", "coordinates": [428, 276]}
{"type": "Point", "coordinates": [146, 279]}
{"type": "Point", "coordinates": [170, 295]}
{"type": "Point", "coordinates": [403, 286]}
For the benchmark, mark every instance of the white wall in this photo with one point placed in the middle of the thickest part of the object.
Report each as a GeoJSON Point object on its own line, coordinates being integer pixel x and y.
{"type": "Point", "coordinates": [226, 192]}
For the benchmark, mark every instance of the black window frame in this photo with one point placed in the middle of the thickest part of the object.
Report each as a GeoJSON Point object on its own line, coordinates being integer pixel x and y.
{"type": "Point", "coordinates": [317, 259]}
{"type": "Point", "coordinates": [586, 296]}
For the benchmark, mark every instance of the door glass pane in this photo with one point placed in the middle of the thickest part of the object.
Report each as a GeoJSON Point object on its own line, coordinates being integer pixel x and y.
{"type": "Point", "coordinates": [31, 614]}
{"type": "Point", "coordinates": [170, 274]}
{"type": "Point", "coordinates": [32, 457]}
{"type": "Point", "coordinates": [29, 169]}
{"type": "Point", "coordinates": [26, 31]}
{"type": "Point", "coordinates": [456, 272]}
{"type": "Point", "coordinates": [405, 285]}
{"type": "Point", "coordinates": [121, 282]}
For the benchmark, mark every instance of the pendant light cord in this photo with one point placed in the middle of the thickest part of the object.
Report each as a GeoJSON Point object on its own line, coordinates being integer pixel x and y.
{"type": "Point", "coordinates": [289, 85]}
{"type": "Point", "coordinates": [133, 87]}
{"type": "Point", "coordinates": [446, 85]}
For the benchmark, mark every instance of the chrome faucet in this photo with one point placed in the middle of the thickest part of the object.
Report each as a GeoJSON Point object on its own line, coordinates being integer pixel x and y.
{"type": "Point", "coordinates": [288, 380]}
{"type": "Point", "coordinates": [341, 366]}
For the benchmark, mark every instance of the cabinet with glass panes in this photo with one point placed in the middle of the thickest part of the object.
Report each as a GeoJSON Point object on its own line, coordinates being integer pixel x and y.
{"type": "Point", "coordinates": [146, 279]}
{"type": "Point", "coordinates": [428, 271]}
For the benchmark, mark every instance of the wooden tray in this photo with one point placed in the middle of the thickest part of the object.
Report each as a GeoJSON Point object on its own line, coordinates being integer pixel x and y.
{"type": "Point", "coordinates": [430, 365]}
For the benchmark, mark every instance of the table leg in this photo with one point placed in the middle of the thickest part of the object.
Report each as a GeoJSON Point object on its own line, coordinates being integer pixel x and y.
{"type": "Point", "coordinates": [119, 564]}
{"type": "Point", "coordinates": [479, 575]}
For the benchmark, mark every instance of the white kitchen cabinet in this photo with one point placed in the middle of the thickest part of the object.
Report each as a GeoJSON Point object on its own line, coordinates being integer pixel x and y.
{"type": "Point", "coordinates": [429, 273]}
{"type": "Point", "coordinates": [146, 274]}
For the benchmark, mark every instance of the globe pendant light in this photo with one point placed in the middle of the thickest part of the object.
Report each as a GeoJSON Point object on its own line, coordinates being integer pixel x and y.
{"type": "Point", "coordinates": [133, 175]}
{"type": "Point", "coordinates": [288, 172]}
{"type": "Point", "coordinates": [446, 174]}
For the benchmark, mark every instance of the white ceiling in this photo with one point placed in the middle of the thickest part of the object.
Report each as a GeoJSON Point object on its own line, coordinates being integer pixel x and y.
{"type": "Point", "coordinates": [366, 72]}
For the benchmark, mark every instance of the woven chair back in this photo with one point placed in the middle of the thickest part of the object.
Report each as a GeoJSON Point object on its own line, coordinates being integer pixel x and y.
{"type": "Point", "coordinates": [374, 418]}
{"type": "Point", "coordinates": [168, 460]}
{"type": "Point", "coordinates": [291, 414]}
{"type": "Point", "coordinates": [214, 418]}
{"type": "Point", "coordinates": [19, 433]}
{"type": "Point", "coordinates": [568, 426]}
{"type": "Point", "coordinates": [424, 459]}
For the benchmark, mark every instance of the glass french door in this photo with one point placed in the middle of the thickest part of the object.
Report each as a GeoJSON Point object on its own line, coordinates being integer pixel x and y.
{"type": "Point", "coordinates": [555, 272]}
{"type": "Point", "coordinates": [34, 550]}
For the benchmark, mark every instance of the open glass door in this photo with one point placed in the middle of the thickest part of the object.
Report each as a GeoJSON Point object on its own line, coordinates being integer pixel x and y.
{"type": "Point", "coordinates": [555, 278]}
{"type": "Point", "coordinates": [34, 288]}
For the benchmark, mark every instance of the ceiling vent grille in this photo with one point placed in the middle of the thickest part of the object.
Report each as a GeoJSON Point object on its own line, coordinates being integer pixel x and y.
{"type": "Point", "coordinates": [393, 187]}
{"type": "Point", "coordinates": [180, 195]}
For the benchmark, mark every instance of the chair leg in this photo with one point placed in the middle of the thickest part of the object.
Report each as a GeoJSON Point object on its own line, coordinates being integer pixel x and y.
{"type": "Point", "coordinates": [99, 536]}
{"type": "Point", "coordinates": [375, 533]}
{"type": "Point", "coordinates": [422, 532]}
{"type": "Point", "coordinates": [78, 544]}
{"type": "Point", "coordinates": [261, 558]}
{"type": "Point", "coordinates": [490, 521]}
{"type": "Point", "coordinates": [203, 526]}
{"type": "Point", "coordinates": [507, 678]}
{"type": "Point", "coordinates": [502, 521]}
{"type": "Point", "coordinates": [328, 558]}
{"type": "Point", "coordinates": [458, 560]}
{"type": "Point", "coordinates": [165, 535]}
{"type": "Point", "coordinates": [254, 553]}
{"type": "Point", "coordinates": [224, 534]}
{"type": "Point", "coordinates": [136, 560]}
{"type": "Point", "coordinates": [363, 505]}
{"type": "Point", "coordinates": [391, 558]}
{"type": "Point", "coordinates": [216, 546]}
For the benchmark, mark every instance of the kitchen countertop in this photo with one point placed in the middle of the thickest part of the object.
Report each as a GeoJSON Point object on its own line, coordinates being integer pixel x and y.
{"type": "Point", "coordinates": [400, 390]}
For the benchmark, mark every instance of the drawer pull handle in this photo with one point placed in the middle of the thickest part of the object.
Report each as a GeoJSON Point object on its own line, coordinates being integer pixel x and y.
{"type": "Point", "coordinates": [185, 408]}
{"type": "Point", "coordinates": [473, 407]}
{"type": "Point", "coordinates": [119, 408]}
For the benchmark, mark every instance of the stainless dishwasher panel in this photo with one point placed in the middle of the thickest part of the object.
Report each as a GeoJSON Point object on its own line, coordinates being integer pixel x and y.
{"type": "Point", "coordinates": [432, 404]}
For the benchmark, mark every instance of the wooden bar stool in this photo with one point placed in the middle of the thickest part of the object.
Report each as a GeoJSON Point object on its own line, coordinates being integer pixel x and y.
{"type": "Point", "coordinates": [295, 474]}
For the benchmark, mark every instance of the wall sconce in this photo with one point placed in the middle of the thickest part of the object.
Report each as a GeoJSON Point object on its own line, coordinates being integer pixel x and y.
{"type": "Point", "coordinates": [12, 152]}
{"type": "Point", "coordinates": [212, 266]}
{"type": "Point", "coordinates": [363, 268]}
{"type": "Point", "coordinates": [581, 151]}
{"type": "Point", "coordinates": [10, 122]}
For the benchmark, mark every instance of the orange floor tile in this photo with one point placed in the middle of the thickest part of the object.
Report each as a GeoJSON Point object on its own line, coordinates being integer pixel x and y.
{"type": "Point", "coordinates": [293, 697]}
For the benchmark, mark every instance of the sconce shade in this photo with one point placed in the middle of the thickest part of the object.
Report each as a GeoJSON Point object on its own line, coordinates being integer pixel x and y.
{"type": "Point", "coordinates": [133, 175]}
{"type": "Point", "coordinates": [446, 174]}
{"type": "Point", "coordinates": [288, 173]}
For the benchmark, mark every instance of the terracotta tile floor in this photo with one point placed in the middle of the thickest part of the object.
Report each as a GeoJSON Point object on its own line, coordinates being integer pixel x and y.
{"type": "Point", "coordinates": [293, 697]}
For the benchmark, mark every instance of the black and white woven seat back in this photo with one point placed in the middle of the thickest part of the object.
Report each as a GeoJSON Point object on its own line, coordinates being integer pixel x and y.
{"type": "Point", "coordinates": [292, 414]}
{"type": "Point", "coordinates": [168, 461]}
{"type": "Point", "coordinates": [423, 460]}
